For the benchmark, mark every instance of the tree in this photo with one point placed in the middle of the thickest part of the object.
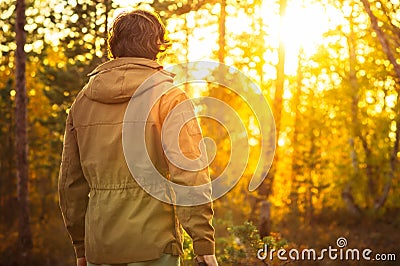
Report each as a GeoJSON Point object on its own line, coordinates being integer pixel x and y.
{"type": "Point", "coordinates": [386, 47]}
{"type": "Point", "coordinates": [8, 182]}
{"type": "Point", "coordinates": [266, 190]}
{"type": "Point", "coordinates": [24, 232]}
{"type": "Point", "coordinates": [221, 32]}
{"type": "Point", "coordinates": [362, 99]}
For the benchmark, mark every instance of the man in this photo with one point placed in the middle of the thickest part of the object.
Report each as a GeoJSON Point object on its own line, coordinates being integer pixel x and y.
{"type": "Point", "coordinates": [110, 218]}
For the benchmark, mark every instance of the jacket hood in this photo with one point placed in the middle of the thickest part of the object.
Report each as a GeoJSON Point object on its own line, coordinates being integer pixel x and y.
{"type": "Point", "coordinates": [117, 80]}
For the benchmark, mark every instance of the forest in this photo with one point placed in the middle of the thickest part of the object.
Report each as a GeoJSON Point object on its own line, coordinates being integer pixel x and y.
{"type": "Point", "coordinates": [328, 69]}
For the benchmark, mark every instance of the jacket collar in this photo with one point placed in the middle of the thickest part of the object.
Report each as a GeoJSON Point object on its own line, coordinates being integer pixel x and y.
{"type": "Point", "coordinates": [118, 62]}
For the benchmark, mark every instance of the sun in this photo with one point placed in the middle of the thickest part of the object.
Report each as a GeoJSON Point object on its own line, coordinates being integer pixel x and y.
{"type": "Point", "coordinates": [302, 28]}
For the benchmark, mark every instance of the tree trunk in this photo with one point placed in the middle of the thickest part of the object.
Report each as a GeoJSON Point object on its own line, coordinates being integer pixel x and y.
{"type": "Point", "coordinates": [266, 190]}
{"type": "Point", "coordinates": [187, 74]}
{"type": "Point", "coordinates": [355, 132]}
{"type": "Point", "coordinates": [221, 29]}
{"type": "Point", "coordinates": [280, 71]}
{"type": "Point", "coordinates": [393, 163]}
{"type": "Point", "coordinates": [107, 6]}
{"type": "Point", "coordinates": [24, 232]}
{"type": "Point", "coordinates": [389, 53]}
{"type": "Point", "coordinates": [294, 195]}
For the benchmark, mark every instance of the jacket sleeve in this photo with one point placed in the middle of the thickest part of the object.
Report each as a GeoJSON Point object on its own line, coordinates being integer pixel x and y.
{"type": "Point", "coordinates": [73, 189]}
{"type": "Point", "coordinates": [196, 220]}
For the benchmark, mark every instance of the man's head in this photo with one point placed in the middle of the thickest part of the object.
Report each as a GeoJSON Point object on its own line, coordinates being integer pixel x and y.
{"type": "Point", "coordinates": [137, 34]}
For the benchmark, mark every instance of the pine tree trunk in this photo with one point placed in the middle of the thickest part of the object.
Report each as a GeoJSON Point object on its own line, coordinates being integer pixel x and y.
{"type": "Point", "coordinates": [108, 6]}
{"type": "Point", "coordinates": [187, 74]}
{"type": "Point", "coordinates": [294, 195]}
{"type": "Point", "coordinates": [221, 29]}
{"type": "Point", "coordinates": [266, 189]}
{"type": "Point", "coordinates": [280, 71]}
{"type": "Point", "coordinates": [278, 98]}
{"type": "Point", "coordinates": [24, 232]}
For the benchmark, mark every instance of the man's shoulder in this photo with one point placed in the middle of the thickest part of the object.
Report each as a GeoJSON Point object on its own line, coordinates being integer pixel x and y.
{"type": "Point", "coordinates": [78, 99]}
{"type": "Point", "coordinates": [176, 93]}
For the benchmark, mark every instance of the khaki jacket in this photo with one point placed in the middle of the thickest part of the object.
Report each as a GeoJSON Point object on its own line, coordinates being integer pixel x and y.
{"type": "Point", "coordinates": [109, 217]}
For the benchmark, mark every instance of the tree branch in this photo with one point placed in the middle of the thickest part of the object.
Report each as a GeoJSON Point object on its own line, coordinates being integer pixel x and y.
{"type": "Point", "coordinates": [382, 38]}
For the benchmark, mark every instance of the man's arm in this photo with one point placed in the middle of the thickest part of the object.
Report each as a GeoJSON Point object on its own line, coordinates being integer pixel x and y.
{"type": "Point", "coordinates": [196, 220]}
{"type": "Point", "coordinates": [73, 189]}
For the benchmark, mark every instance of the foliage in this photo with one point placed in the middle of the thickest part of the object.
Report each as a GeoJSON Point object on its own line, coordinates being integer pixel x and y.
{"type": "Point", "coordinates": [242, 245]}
{"type": "Point", "coordinates": [189, 255]}
{"type": "Point", "coordinates": [338, 146]}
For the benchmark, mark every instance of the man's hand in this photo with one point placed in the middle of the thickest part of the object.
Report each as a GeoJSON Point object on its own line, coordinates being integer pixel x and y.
{"type": "Point", "coordinates": [81, 262]}
{"type": "Point", "coordinates": [210, 260]}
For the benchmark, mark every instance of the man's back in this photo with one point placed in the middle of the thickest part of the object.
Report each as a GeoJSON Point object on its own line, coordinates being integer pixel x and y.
{"type": "Point", "coordinates": [123, 223]}
{"type": "Point", "coordinates": [109, 216]}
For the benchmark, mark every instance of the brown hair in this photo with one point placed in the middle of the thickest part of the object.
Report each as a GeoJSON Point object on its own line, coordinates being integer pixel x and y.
{"type": "Point", "coordinates": [138, 33]}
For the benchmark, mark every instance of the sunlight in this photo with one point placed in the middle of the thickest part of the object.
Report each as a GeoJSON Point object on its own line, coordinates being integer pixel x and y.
{"type": "Point", "coordinates": [302, 29]}
{"type": "Point", "coordinates": [304, 26]}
